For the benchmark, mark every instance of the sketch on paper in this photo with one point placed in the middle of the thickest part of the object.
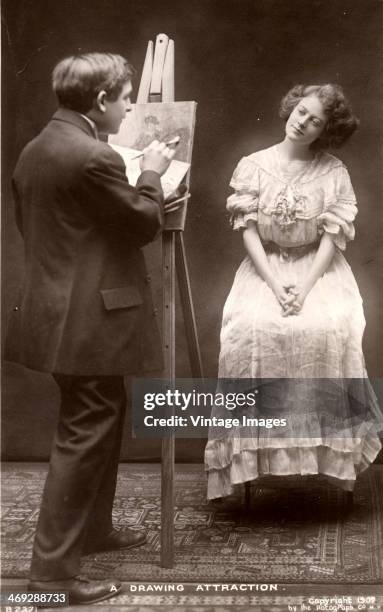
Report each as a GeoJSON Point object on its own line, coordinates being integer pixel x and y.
{"type": "Point", "coordinates": [159, 121]}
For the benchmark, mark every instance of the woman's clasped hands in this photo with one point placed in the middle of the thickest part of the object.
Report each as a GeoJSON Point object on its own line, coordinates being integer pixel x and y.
{"type": "Point", "coordinates": [291, 297]}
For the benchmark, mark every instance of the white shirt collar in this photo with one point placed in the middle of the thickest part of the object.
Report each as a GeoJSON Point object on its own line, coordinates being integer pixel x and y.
{"type": "Point", "coordinates": [91, 123]}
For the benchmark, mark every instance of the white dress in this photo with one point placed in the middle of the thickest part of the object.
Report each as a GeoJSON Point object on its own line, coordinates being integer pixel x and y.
{"type": "Point", "coordinates": [324, 341]}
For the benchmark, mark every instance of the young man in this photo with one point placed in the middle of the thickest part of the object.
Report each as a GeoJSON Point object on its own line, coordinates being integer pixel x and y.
{"type": "Point", "coordinates": [86, 314]}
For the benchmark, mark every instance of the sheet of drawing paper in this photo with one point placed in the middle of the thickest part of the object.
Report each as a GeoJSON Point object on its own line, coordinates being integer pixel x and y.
{"type": "Point", "coordinates": [169, 180]}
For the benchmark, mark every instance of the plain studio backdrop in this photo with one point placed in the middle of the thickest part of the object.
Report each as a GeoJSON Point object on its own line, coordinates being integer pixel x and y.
{"type": "Point", "coordinates": [235, 58]}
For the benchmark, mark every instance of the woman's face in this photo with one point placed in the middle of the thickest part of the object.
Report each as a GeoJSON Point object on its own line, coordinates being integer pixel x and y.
{"type": "Point", "coordinates": [307, 121]}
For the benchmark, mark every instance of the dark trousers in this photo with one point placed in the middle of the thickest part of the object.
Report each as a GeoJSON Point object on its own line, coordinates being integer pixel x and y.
{"type": "Point", "coordinates": [79, 490]}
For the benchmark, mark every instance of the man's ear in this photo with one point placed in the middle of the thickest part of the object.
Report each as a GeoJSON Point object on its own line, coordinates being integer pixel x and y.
{"type": "Point", "coordinates": [100, 101]}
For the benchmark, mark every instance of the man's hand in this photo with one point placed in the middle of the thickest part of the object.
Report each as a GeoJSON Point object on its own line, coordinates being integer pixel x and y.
{"type": "Point", "coordinates": [157, 157]}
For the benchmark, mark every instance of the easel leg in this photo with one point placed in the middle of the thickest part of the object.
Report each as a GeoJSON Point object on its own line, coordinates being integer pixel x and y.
{"type": "Point", "coordinates": [167, 503]}
{"type": "Point", "coordinates": [187, 307]}
{"type": "Point", "coordinates": [167, 467]}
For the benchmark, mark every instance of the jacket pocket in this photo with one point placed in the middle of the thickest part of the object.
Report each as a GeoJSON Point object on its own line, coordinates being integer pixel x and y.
{"type": "Point", "coordinates": [121, 297]}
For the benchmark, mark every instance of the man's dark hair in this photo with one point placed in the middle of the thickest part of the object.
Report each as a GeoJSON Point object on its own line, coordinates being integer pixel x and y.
{"type": "Point", "coordinates": [77, 80]}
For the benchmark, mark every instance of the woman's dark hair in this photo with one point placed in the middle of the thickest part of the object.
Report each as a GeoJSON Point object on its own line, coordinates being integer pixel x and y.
{"type": "Point", "coordinates": [78, 79]}
{"type": "Point", "coordinates": [341, 123]}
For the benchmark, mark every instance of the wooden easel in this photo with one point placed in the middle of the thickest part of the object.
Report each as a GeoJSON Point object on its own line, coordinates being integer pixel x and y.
{"type": "Point", "coordinates": [157, 85]}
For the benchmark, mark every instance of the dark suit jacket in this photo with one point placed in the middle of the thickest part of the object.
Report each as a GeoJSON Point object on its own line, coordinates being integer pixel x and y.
{"type": "Point", "coordinates": [86, 306]}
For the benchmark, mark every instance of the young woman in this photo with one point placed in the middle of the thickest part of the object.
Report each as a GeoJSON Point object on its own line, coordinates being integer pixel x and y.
{"type": "Point", "coordinates": [293, 320]}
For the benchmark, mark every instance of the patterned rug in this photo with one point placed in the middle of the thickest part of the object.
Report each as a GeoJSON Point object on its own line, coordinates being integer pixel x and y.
{"type": "Point", "coordinates": [300, 535]}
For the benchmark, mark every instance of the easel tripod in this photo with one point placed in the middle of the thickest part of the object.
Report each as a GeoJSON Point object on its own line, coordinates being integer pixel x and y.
{"type": "Point", "coordinates": [157, 85]}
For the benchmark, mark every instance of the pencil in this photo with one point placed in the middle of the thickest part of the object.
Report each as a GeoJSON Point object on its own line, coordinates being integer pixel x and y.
{"type": "Point", "coordinates": [174, 141]}
{"type": "Point", "coordinates": [170, 206]}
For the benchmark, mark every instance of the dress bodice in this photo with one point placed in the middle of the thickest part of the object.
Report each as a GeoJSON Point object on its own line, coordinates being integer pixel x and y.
{"type": "Point", "coordinates": [293, 210]}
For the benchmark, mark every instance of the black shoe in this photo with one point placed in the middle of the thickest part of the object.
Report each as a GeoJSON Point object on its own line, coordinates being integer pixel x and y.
{"type": "Point", "coordinates": [122, 539]}
{"type": "Point", "coordinates": [80, 590]}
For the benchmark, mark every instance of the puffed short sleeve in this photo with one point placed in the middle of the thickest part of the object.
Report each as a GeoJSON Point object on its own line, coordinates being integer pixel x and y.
{"type": "Point", "coordinates": [340, 210]}
{"type": "Point", "coordinates": [243, 203]}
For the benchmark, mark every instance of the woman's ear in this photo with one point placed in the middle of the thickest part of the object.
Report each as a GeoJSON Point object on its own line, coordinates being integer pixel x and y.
{"type": "Point", "coordinates": [100, 101]}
